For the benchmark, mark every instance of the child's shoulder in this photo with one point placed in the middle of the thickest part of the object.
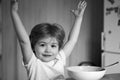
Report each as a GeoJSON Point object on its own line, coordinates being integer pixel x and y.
{"type": "Point", "coordinates": [62, 54]}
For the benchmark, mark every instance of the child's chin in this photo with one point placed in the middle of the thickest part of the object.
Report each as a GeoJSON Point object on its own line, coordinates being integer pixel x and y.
{"type": "Point", "coordinates": [47, 59]}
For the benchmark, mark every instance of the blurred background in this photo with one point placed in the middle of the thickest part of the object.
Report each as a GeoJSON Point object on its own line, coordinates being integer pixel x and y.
{"type": "Point", "coordinates": [33, 12]}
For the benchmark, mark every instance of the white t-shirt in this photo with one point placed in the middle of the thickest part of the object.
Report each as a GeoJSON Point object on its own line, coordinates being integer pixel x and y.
{"type": "Point", "coordinates": [38, 70]}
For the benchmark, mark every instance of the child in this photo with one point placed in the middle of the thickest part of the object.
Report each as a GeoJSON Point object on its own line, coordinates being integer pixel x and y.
{"type": "Point", "coordinates": [44, 52]}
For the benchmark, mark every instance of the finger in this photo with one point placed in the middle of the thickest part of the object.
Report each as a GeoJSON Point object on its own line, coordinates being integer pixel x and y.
{"type": "Point", "coordinates": [72, 11]}
{"type": "Point", "coordinates": [84, 4]}
{"type": "Point", "coordinates": [79, 4]}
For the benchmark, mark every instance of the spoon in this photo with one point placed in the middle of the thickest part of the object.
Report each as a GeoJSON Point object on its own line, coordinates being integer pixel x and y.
{"type": "Point", "coordinates": [111, 64]}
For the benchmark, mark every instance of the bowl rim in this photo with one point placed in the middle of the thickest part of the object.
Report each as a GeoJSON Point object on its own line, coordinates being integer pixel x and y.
{"type": "Point", "coordinates": [100, 69]}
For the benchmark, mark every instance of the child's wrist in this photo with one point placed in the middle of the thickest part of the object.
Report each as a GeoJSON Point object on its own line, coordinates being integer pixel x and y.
{"type": "Point", "coordinates": [14, 11]}
{"type": "Point", "coordinates": [78, 17]}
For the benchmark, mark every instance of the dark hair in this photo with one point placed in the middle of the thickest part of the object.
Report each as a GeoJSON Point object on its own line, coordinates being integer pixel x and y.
{"type": "Point", "coordinates": [46, 29]}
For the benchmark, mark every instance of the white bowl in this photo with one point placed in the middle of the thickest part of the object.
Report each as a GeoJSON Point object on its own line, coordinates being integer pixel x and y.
{"type": "Point", "coordinates": [86, 72]}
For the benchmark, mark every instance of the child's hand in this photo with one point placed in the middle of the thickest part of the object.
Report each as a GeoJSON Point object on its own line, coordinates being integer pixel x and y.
{"type": "Point", "coordinates": [80, 9]}
{"type": "Point", "coordinates": [14, 5]}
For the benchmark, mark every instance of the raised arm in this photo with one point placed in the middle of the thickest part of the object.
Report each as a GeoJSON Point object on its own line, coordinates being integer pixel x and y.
{"type": "Point", "coordinates": [22, 35]}
{"type": "Point", "coordinates": [74, 33]}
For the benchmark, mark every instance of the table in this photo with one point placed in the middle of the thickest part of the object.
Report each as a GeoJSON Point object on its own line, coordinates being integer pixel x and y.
{"type": "Point", "coordinates": [115, 76]}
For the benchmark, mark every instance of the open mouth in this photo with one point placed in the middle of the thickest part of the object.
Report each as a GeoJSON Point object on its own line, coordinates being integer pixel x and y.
{"type": "Point", "coordinates": [46, 55]}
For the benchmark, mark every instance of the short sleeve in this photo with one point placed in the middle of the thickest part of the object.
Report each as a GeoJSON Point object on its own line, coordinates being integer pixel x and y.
{"type": "Point", "coordinates": [63, 57]}
{"type": "Point", "coordinates": [35, 69]}
{"type": "Point", "coordinates": [31, 62]}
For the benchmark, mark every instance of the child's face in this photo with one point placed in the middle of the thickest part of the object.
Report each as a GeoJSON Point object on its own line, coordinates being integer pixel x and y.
{"type": "Point", "coordinates": [46, 49]}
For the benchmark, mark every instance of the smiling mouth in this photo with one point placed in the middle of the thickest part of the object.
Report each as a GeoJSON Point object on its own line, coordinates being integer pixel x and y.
{"type": "Point", "coordinates": [46, 55]}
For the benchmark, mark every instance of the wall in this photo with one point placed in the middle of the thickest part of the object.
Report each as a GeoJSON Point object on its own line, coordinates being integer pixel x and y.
{"type": "Point", "coordinates": [0, 42]}
{"type": "Point", "coordinates": [8, 44]}
{"type": "Point", "coordinates": [89, 44]}
{"type": "Point", "coordinates": [96, 27]}
{"type": "Point", "coordinates": [33, 12]}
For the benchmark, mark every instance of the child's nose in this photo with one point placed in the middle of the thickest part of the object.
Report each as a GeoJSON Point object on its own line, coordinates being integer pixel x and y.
{"type": "Point", "coordinates": [48, 49]}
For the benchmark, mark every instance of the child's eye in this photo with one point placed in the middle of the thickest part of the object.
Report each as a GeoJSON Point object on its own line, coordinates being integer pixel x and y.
{"type": "Point", "coordinates": [42, 45]}
{"type": "Point", "coordinates": [53, 46]}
